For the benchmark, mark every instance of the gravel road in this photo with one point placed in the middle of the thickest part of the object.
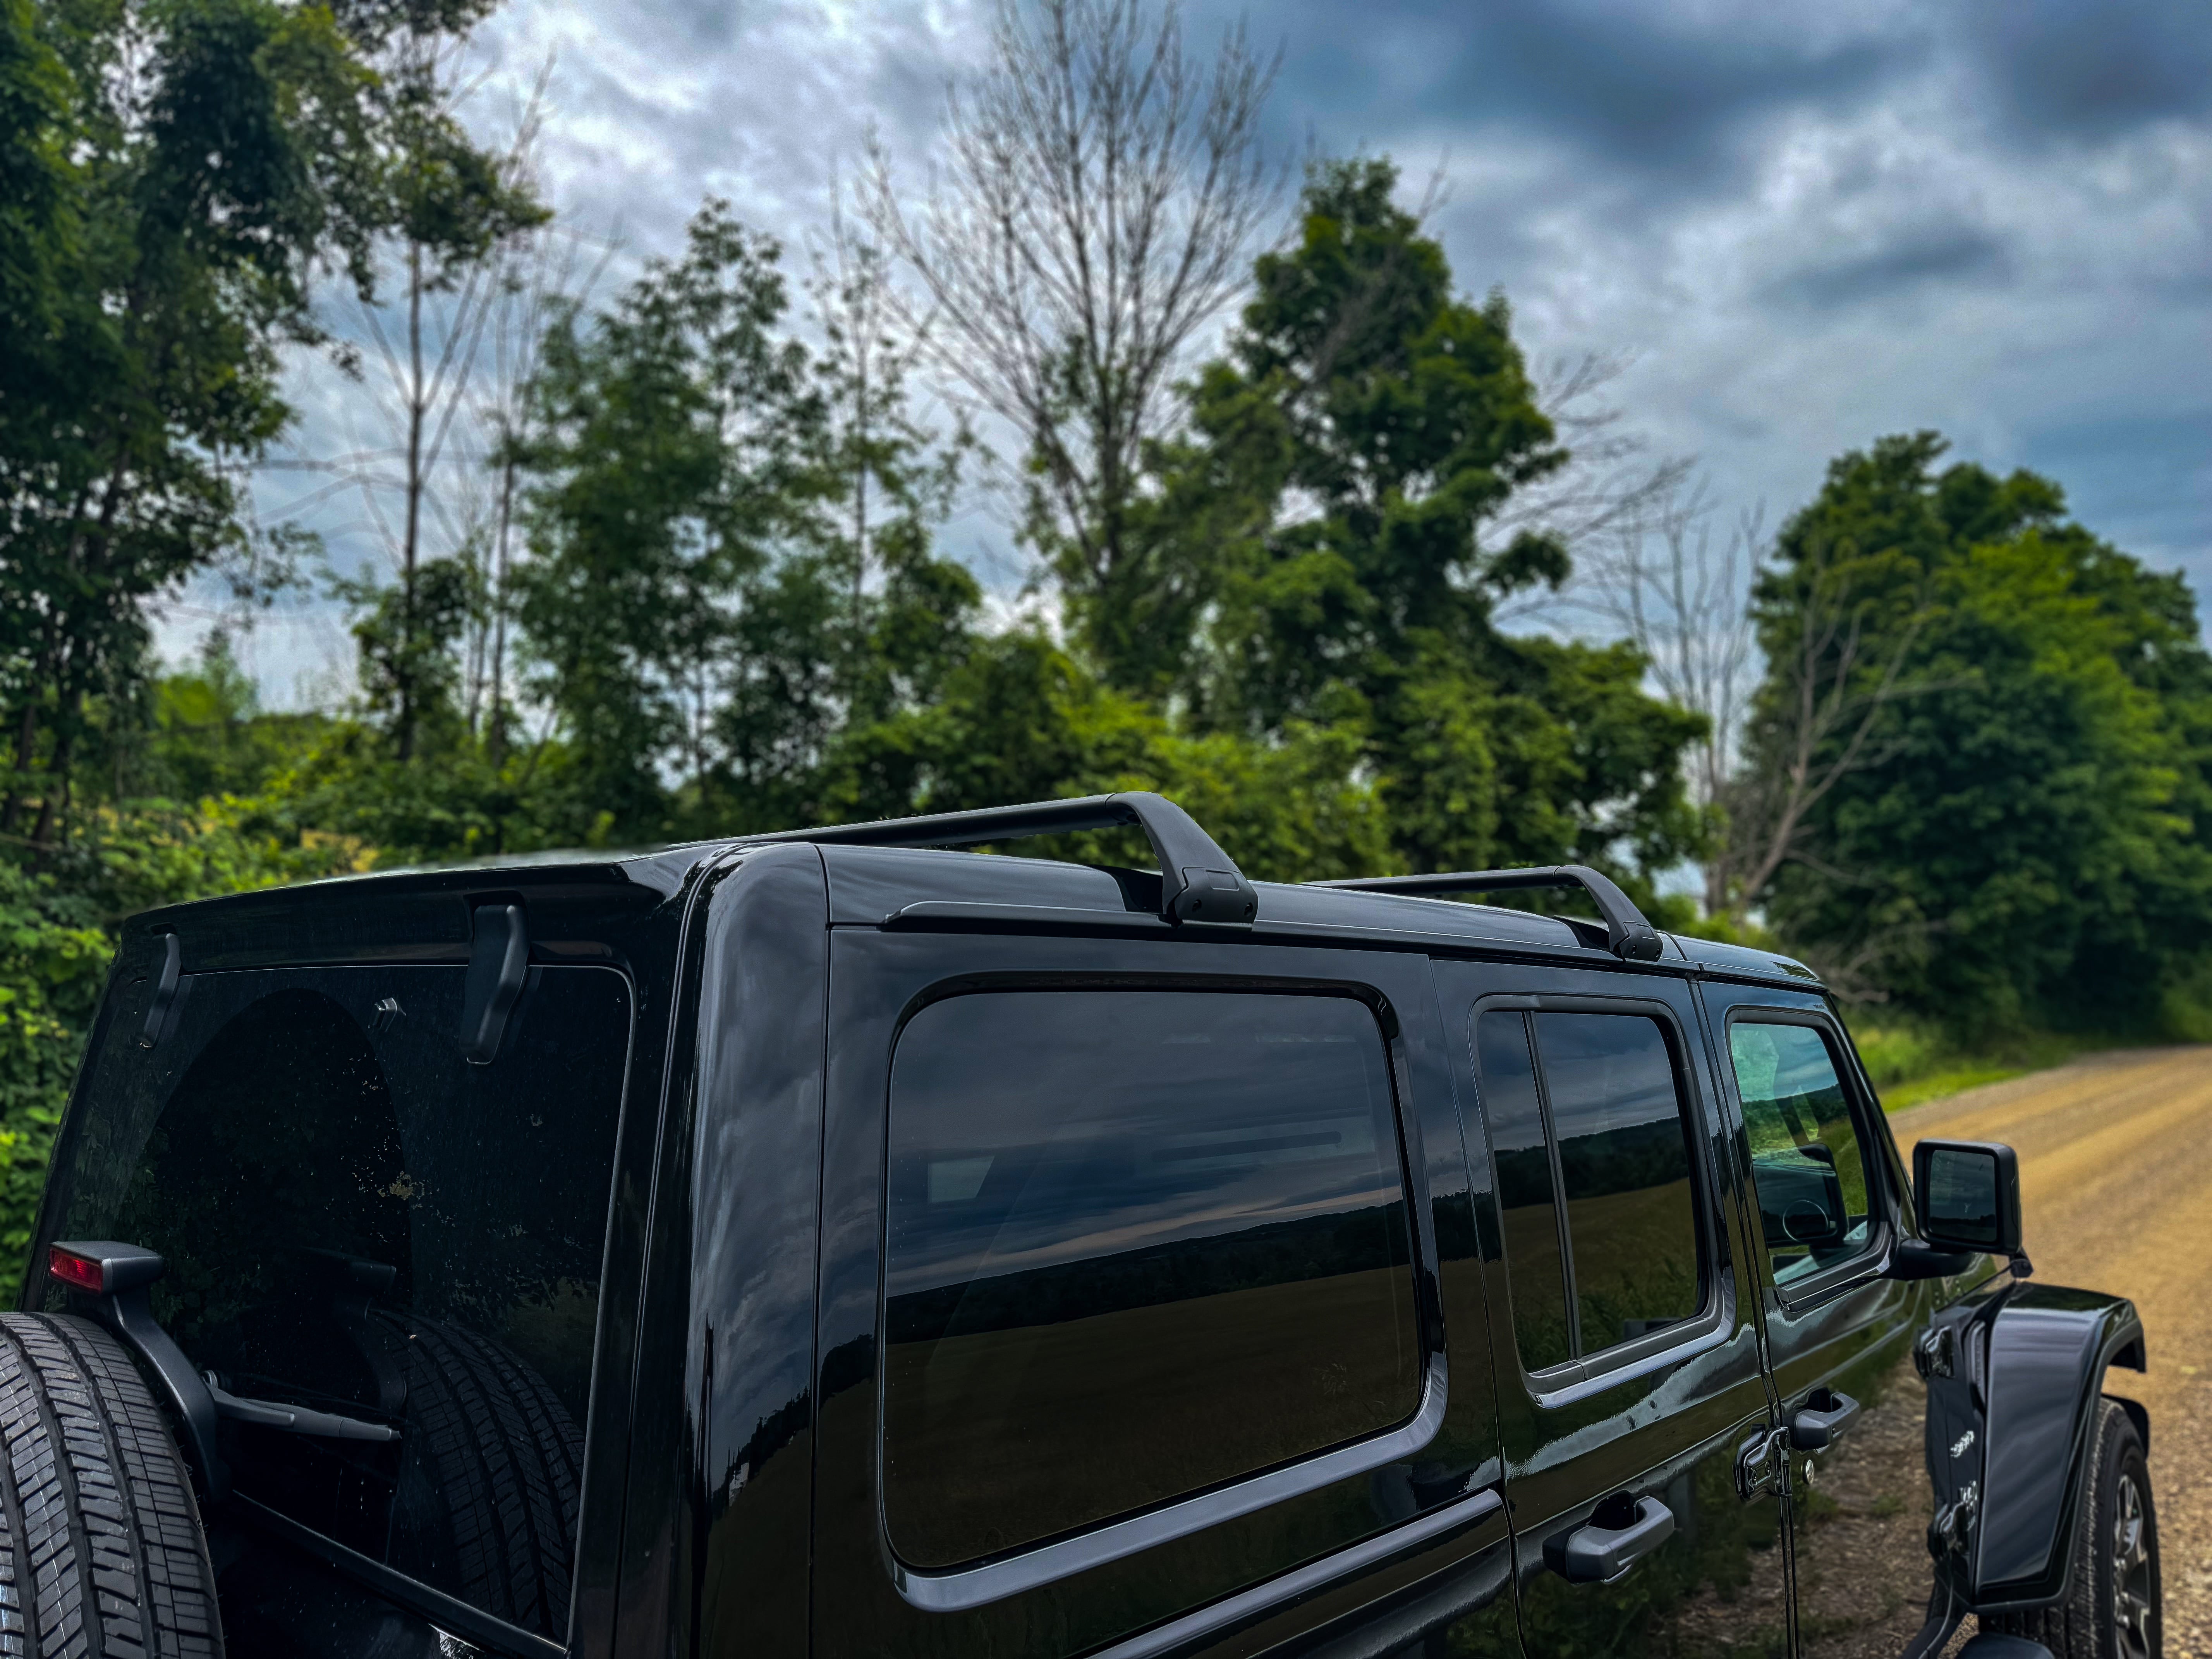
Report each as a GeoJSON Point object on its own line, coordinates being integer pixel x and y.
{"type": "Point", "coordinates": [2116, 1177]}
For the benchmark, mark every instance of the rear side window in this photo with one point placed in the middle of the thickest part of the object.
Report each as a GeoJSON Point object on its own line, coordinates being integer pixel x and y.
{"type": "Point", "coordinates": [1139, 1244]}
{"type": "Point", "coordinates": [355, 1219]}
{"type": "Point", "coordinates": [1593, 1139]}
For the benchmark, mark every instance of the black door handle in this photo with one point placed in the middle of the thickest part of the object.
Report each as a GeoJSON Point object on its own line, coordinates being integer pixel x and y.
{"type": "Point", "coordinates": [1621, 1533]}
{"type": "Point", "coordinates": [1824, 1415]}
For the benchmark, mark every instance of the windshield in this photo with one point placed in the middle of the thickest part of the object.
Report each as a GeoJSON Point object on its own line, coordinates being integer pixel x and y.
{"type": "Point", "coordinates": [356, 1220]}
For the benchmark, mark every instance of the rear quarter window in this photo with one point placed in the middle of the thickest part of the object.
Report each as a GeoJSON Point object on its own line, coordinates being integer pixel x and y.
{"type": "Point", "coordinates": [1139, 1244]}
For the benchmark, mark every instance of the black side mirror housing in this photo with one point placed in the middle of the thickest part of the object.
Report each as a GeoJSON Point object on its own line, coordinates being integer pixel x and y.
{"type": "Point", "coordinates": [1966, 1196]}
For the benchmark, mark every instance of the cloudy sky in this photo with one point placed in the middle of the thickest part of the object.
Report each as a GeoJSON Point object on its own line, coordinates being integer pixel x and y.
{"type": "Point", "coordinates": [1802, 227]}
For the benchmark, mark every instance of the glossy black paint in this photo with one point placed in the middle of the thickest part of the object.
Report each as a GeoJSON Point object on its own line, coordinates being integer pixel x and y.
{"type": "Point", "coordinates": [749, 1330]}
{"type": "Point", "coordinates": [2047, 1349]}
{"type": "Point", "coordinates": [1663, 1418]}
{"type": "Point", "coordinates": [624, 914]}
{"type": "Point", "coordinates": [730, 1502]}
{"type": "Point", "coordinates": [1157, 1567]}
{"type": "Point", "coordinates": [718, 1496]}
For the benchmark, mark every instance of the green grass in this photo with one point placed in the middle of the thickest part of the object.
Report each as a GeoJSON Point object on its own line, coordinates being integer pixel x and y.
{"type": "Point", "coordinates": [1911, 1064]}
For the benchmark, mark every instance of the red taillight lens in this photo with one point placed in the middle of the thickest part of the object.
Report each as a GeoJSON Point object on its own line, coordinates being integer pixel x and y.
{"type": "Point", "coordinates": [80, 1272]}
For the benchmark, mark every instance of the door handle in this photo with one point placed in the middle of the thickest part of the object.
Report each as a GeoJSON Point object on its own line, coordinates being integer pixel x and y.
{"type": "Point", "coordinates": [1824, 1415]}
{"type": "Point", "coordinates": [1622, 1532]}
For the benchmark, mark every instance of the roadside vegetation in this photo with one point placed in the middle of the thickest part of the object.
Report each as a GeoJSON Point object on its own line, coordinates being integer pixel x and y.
{"type": "Point", "coordinates": [1910, 1065]}
{"type": "Point", "coordinates": [658, 549]}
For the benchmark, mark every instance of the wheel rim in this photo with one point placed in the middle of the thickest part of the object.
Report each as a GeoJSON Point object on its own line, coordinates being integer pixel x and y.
{"type": "Point", "coordinates": [2132, 1610]}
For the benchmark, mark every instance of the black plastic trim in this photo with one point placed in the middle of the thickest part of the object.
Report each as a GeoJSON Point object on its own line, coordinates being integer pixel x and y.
{"type": "Point", "coordinates": [2049, 1348]}
{"type": "Point", "coordinates": [165, 990]}
{"type": "Point", "coordinates": [499, 965]}
{"type": "Point", "coordinates": [129, 1271]}
{"type": "Point", "coordinates": [957, 915]}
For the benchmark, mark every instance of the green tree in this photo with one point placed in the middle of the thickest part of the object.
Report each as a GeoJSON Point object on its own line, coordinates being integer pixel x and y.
{"type": "Point", "coordinates": [1017, 718]}
{"type": "Point", "coordinates": [732, 550]}
{"type": "Point", "coordinates": [179, 174]}
{"type": "Point", "coordinates": [1315, 552]}
{"type": "Point", "coordinates": [2023, 835]}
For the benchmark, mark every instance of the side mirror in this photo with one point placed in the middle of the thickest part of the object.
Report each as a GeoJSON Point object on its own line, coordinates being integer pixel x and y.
{"type": "Point", "coordinates": [1965, 1194]}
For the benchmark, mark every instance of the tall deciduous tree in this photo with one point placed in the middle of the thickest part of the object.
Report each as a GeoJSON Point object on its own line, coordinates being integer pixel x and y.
{"type": "Point", "coordinates": [191, 166]}
{"type": "Point", "coordinates": [712, 601]}
{"type": "Point", "coordinates": [1320, 534]}
{"type": "Point", "coordinates": [1101, 194]}
{"type": "Point", "coordinates": [2027, 835]}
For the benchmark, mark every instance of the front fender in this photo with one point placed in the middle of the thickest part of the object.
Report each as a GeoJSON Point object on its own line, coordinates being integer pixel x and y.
{"type": "Point", "coordinates": [2042, 1352]}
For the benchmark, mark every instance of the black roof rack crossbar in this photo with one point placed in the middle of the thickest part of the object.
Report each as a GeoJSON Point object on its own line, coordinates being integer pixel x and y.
{"type": "Point", "coordinates": [1627, 933]}
{"type": "Point", "coordinates": [1199, 882]}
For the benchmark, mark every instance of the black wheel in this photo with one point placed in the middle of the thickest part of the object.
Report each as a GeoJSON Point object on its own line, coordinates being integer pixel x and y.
{"type": "Point", "coordinates": [497, 1469]}
{"type": "Point", "coordinates": [101, 1551]}
{"type": "Point", "coordinates": [2111, 1609]}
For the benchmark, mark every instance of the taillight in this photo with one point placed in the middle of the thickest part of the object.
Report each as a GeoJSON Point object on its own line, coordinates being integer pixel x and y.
{"type": "Point", "coordinates": [82, 1271]}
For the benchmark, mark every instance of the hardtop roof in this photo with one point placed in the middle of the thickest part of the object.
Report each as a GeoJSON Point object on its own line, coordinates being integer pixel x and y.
{"type": "Point", "coordinates": [869, 884]}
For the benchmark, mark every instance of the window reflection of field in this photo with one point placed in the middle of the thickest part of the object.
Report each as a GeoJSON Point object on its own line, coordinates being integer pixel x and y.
{"type": "Point", "coordinates": [1635, 1263]}
{"type": "Point", "coordinates": [959, 1486]}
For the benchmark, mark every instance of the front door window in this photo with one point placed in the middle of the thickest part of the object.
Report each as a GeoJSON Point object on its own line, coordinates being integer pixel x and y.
{"type": "Point", "coordinates": [1808, 1158]}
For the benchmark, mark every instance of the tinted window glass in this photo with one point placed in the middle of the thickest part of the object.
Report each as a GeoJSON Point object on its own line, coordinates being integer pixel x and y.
{"type": "Point", "coordinates": [1624, 1154]}
{"type": "Point", "coordinates": [355, 1219]}
{"type": "Point", "coordinates": [1138, 1243]}
{"type": "Point", "coordinates": [1806, 1158]}
{"type": "Point", "coordinates": [1528, 1212]}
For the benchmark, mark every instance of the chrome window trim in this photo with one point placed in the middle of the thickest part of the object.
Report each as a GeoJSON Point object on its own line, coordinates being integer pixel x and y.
{"type": "Point", "coordinates": [993, 1580]}
{"type": "Point", "coordinates": [1305, 1581]}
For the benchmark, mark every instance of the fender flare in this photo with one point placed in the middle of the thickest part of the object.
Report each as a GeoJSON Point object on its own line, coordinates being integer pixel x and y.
{"type": "Point", "coordinates": [2048, 1349]}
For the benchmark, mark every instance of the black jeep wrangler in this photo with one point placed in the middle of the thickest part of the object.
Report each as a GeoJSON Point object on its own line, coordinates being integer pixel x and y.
{"type": "Point", "coordinates": [835, 1243]}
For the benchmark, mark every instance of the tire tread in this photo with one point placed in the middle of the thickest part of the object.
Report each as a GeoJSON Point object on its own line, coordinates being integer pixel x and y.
{"type": "Point", "coordinates": [102, 1555]}
{"type": "Point", "coordinates": [507, 1457]}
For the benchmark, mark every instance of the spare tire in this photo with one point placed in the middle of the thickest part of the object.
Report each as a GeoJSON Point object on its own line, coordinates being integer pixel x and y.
{"type": "Point", "coordinates": [498, 1467]}
{"type": "Point", "coordinates": [101, 1549]}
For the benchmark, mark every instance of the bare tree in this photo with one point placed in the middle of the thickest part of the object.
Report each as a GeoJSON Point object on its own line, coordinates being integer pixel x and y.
{"type": "Point", "coordinates": [1100, 198]}
{"type": "Point", "coordinates": [894, 472]}
{"type": "Point", "coordinates": [1783, 731]}
{"type": "Point", "coordinates": [1830, 681]}
{"type": "Point", "coordinates": [540, 276]}
{"type": "Point", "coordinates": [451, 272]}
{"type": "Point", "coordinates": [1612, 492]}
{"type": "Point", "coordinates": [1682, 595]}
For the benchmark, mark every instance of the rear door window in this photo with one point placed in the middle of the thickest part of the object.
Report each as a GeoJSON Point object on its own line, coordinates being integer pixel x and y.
{"type": "Point", "coordinates": [357, 1220]}
{"type": "Point", "coordinates": [1139, 1244]}
{"type": "Point", "coordinates": [1593, 1137]}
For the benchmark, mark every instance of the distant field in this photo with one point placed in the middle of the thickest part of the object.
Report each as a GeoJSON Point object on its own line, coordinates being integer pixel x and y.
{"type": "Point", "coordinates": [959, 1484]}
{"type": "Point", "coordinates": [1636, 1258]}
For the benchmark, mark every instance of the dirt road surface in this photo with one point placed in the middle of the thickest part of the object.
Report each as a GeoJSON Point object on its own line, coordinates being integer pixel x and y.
{"type": "Point", "coordinates": [2116, 1178]}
